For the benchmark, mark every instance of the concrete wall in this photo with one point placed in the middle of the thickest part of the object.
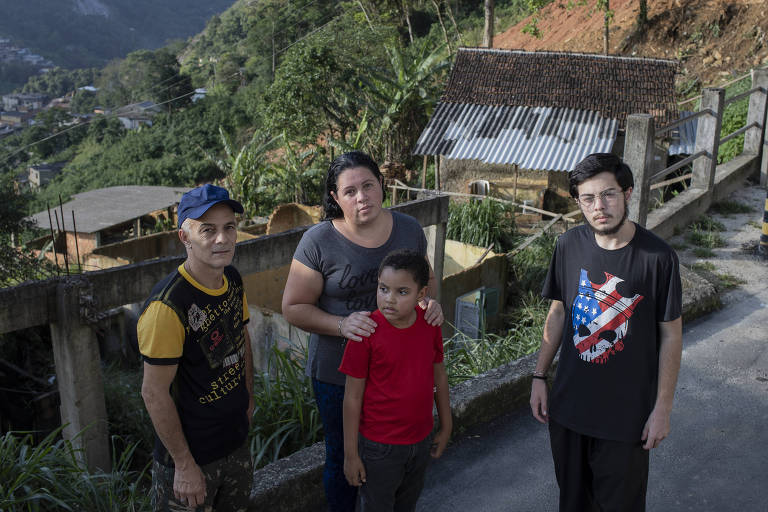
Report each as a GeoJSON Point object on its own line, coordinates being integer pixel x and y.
{"type": "Point", "coordinates": [460, 256]}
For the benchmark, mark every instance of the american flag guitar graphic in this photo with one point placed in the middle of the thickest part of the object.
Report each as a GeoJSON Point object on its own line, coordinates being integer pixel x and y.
{"type": "Point", "coordinates": [600, 318]}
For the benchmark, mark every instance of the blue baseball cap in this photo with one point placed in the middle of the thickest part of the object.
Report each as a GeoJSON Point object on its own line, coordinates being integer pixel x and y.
{"type": "Point", "coordinates": [197, 201]}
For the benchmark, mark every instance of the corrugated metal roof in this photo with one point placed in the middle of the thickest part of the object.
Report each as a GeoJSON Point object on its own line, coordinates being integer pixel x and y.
{"type": "Point", "coordinates": [542, 138]}
{"type": "Point", "coordinates": [683, 138]}
{"type": "Point", "coordinates": [615, 86]}
{"type": "Point", "coordinates": [106, 207]}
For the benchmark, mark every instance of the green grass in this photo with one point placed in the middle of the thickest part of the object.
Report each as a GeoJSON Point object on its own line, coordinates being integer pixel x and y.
{"type": "Point", "coordinates": [482, 223]}
{"type": "Point", "coordinates": [728, 281]}
{"type": "Point", "coordinates": [679, 246]}
{"type": "Point", "coordinates": [704, 233]}
{"type": "Point", "coordinates": [731, 207]}
{"type": "Point", "coordinates": [703, 252]}
{"type": "Point", "coordinates": [734, 117]}
{"type": "Point", "coordinates": [466, 357]}
{"type": "Point", "coordinates": [705, 239]}
{"type": "Point", "coordinates": [126, 413]}
{"type": "Point", "coordinates": [703, 265]}
{"type": "Point", "coordinates": [49, 476]}
{"type": "Point", "coordinates": [285, 418]}
{"type": "Point", "coordinates": [755, 224]}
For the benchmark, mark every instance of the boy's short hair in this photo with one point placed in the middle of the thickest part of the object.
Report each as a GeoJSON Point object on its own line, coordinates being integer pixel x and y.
{"type": "Point", "coordinates": [596, 163]}
{"type": "Point", "coordinates": [413, 262]}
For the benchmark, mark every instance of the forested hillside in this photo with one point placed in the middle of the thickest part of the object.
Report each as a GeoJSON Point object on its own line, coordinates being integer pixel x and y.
{"type": "Point", "coordinates": [287, 86]}
{"type": "Point", "coordinates": [90, 33]}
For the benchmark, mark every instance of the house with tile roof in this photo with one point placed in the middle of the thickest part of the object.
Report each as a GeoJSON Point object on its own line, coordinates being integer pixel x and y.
{"type": "Point", "coordinates": [519, 120]}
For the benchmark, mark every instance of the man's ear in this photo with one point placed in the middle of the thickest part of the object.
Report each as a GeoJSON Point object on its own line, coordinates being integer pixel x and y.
{"type": "Point", "coordinates": [628, 194]}
{"type": "Point", "coordinates": [183, 237]}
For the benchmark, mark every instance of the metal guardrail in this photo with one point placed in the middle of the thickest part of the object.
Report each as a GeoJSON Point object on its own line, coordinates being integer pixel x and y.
{"type": "Point", "coordinates": [743, 95]}
{"type": "Point", "coordinates": [682, 163]}
{"type": "Point", "coordinates": [682, 121]}
{"type": "Point", "coordinates": [739, 132]}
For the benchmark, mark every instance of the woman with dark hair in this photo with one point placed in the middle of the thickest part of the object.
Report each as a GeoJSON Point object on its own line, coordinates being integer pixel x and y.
{"type": "Point", "coordinates": [331, 291]}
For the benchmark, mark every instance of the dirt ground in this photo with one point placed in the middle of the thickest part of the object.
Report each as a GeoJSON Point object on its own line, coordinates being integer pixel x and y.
{"type": "Point", "coordinates": [714, 40]}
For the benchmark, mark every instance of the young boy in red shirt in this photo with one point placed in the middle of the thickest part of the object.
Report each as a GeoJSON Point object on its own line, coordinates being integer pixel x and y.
{"type": "Point", "coordinates": [391, 378]}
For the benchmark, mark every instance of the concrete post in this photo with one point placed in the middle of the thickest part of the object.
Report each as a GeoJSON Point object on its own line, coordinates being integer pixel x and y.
{"type": "Point", "coordinates": [708, 139]}
{"type": "Point", "coordinates": [438, 256]}
{"type": "Point", "coordinates": [78, 375]}
{"type": "Point", "coordinates": [756, 139]}
{"type": "Point", "coordinates": [753, 137]}
{"type": "Point", "coordinates": [638, 155]}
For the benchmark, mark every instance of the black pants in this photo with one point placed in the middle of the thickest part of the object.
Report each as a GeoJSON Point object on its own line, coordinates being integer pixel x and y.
{"type": "Point", "coordinates": [598, 475]}
{"type": "Point", "coordinates": [394, 475]}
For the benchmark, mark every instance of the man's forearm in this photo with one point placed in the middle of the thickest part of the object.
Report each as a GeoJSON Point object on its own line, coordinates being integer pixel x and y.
{"type": "Point", "coordinates": [551, 338]}
{"type": "Point", "coordinates": [165, 419]}
{"type": "Point", "coordinates": [670, 353]}
{"type": "Point", "coordinates": [248, 363]}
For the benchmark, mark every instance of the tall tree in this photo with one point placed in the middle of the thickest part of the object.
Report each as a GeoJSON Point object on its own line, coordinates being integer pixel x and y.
{"type": "Point", "coordinates": [402, 96]}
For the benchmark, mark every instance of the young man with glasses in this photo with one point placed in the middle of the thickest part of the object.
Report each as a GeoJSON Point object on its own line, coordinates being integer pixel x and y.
{"type": "Point", "coordinates": [615, 316]}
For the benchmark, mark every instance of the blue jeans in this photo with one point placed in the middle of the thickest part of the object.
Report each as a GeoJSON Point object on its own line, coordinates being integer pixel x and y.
{"type": "Point", "coordinates": [394, 475]}
{"type": "Point", "coordinates": [330, 403]}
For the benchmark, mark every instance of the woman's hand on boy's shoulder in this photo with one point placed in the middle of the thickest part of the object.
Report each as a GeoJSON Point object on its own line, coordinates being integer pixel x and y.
{"type": "Point", "coordinates": [439, 443]}
{"type": "Point", "coordinates": [354, 470]}
{"type": "Point", "coordinates": [433, 311]}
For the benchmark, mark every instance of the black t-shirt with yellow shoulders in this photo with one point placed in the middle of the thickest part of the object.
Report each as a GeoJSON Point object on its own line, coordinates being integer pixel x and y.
{"type": "Point", "coordinates": [202, 331]}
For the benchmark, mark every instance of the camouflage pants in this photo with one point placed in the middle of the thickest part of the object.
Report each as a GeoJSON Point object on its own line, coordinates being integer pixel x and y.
{"type": "Point", "coordinates": [227, 481]}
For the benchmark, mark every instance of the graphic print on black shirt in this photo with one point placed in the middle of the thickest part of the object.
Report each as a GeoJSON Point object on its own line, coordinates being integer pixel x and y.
{"type": "Point", "coordinates": [600, 317]}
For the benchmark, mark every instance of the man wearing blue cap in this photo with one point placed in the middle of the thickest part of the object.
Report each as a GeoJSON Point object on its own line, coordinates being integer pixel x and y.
{"type": "Point", "coordinates": [198, 366]}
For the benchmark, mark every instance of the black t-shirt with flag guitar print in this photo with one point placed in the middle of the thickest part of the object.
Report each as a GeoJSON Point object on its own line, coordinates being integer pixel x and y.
{"type": "Point", "coordinates": [607, 374]}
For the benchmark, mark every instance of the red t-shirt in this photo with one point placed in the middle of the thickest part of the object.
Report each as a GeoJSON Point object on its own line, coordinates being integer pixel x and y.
{"type": "Point", "coordinates": [398, 367]}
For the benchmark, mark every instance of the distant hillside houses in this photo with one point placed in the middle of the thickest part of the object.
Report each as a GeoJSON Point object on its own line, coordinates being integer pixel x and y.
{"type": "Point", "coordinates": [136, 114]}
{"type": "Point", "coordinates": [24, 102]}
{"type": "Point", "coordinates": [11, 53]}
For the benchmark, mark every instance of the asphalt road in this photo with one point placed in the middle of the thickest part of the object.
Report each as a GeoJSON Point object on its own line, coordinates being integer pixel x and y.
{"type": "Point", "coordinates": [716, 458]}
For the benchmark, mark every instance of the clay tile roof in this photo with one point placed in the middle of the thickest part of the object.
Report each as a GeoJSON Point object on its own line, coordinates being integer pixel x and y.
{"type": "Point", "coordinates": [613, 86]}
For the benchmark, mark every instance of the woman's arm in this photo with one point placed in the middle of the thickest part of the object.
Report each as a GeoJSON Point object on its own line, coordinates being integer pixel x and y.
{"type": "Point", "coordinates": [302, 291]}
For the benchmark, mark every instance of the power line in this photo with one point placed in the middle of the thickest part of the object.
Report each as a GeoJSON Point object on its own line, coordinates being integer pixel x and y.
{"type": "Point", "coordinates": [307, 35]}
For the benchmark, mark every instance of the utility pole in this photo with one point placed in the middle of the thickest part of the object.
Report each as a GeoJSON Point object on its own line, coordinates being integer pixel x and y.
{"type": "Point", "coordinates": [607, 21]}
{"type": "Point", "coordinates": [488, 30]}
{"type": "Point", "coordinates": [762, 248]}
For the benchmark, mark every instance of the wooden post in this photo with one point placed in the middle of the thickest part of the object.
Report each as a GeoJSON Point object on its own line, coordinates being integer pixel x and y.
{"type": "Point", "coordinates": [708, 139]}
{"type": "Point", "coordinates": [638, 155]}
{"type": "Point", "coordinates": [437, 172]}
{"type": "Point", "coordinates": [78, 375]}
{"type": "Point", "coordinates": [754, 138]}
{"type": "Point", "coordinates": [514, 190]}
{"type": "Point", "coordinates": [424, 173]}
{"type": "Point", "coordinates": [394, 194]}
{"type": "Point", "coordinates": [436, 235]}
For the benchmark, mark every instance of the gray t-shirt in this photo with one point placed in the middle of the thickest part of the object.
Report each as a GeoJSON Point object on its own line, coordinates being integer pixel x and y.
{"type": "Point", "coordinates": [350, 275]}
